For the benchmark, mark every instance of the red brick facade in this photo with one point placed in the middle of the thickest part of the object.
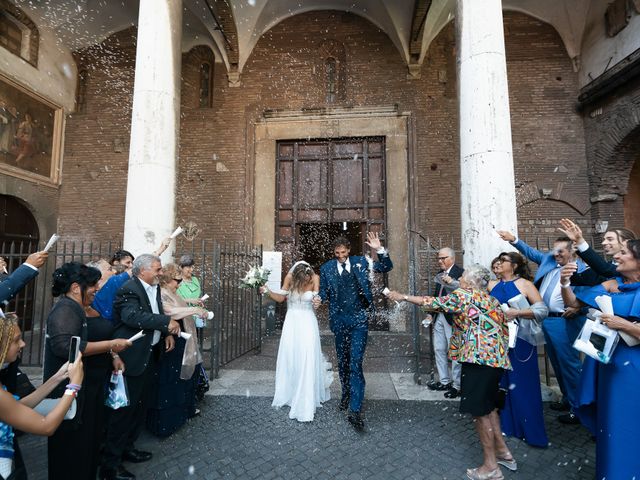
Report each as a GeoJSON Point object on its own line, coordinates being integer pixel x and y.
{"type": "Point", "coordinates": [286, 71]}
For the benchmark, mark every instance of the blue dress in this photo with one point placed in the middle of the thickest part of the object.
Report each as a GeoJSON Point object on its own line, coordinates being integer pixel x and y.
{"type": "Point", "coordinates": [522, 415]}
{"type": "Point", "coordinates": [608, 394]}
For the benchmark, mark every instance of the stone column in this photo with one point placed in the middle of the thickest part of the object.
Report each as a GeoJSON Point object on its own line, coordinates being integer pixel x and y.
{"type": "Point", "coordinates": [487, 187]}
{"type": "Point", "coordinates": [155, 124]}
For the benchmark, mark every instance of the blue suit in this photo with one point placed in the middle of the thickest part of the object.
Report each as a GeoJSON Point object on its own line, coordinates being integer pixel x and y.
{"type": "Point", "coordinates": [559, 332]}
{"type": "Point", "coordinates": [16, 281]}
{"type": "Point", "coordinates": [350, 301]}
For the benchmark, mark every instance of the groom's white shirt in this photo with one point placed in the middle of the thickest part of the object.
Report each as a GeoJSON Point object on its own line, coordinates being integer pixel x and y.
{"type": "Point", "coordinates": [347, 265]}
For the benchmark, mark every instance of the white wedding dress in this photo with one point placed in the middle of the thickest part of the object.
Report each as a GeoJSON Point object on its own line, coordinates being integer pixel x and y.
{"type": "Point", "coordinates": [303, 376]}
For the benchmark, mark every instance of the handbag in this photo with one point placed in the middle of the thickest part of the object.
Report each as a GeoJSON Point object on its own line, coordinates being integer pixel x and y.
{"type": "Point", "coordinates": [118, 396]}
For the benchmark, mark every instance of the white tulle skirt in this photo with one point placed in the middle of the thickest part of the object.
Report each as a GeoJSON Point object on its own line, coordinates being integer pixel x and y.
{"type": "Point", "coordinates": [303, 375]}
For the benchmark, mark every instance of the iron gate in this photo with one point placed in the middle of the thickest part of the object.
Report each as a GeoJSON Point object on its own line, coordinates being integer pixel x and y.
{"type": "Point", "coordinates": [237, 325]}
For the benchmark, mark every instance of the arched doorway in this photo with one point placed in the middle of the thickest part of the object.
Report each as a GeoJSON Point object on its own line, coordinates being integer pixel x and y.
{"type": "Point", "coordinates": [632, 199]}
{"type": "Point", "coordinates": [19, 236]}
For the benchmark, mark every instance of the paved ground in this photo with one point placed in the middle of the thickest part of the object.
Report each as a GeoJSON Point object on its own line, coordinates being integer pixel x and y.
{"type": "Point", "coordinates": [411, 433]}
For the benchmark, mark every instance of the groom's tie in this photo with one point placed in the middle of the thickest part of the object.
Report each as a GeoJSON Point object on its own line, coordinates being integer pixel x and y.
{"type": "Point", "coordinates": [342, 268]}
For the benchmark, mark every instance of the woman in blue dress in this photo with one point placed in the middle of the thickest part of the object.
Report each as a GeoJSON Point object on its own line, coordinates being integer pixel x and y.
{"type": "Point", "coordinates": [522, 415]}
{"type": "Point", "coordinates": [608, 393]}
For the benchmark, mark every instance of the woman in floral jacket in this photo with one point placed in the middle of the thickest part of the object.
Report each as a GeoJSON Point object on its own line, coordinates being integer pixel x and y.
{"type": "Point", "coordinates": [480, 342]}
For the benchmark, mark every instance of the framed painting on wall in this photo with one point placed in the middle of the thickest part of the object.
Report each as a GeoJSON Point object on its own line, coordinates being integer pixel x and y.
{"type": "Point", "coordinates": [30, 134]}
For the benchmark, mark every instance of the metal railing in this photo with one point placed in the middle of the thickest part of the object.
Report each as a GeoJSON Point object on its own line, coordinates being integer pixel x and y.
{"type": "Point", "coordinates": [237, 325]}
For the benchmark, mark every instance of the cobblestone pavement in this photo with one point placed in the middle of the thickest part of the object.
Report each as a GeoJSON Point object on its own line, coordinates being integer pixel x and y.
{"type": "Point", "coordinates": [239, 437]}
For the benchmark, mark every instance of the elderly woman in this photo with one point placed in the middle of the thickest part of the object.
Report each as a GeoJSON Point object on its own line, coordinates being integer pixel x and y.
{"type": "Point", "coordinates": [78, 442]}
{"type": "Point", "coordinates": [608, 394]}
{"type": "Point", "coordinates": [173, 395]}
{"type": "Point", "coordinates": [480, 342]}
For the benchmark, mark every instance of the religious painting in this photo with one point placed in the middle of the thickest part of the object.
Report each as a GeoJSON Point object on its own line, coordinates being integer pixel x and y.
{"type": "Point", "coordinates": [30, 134]}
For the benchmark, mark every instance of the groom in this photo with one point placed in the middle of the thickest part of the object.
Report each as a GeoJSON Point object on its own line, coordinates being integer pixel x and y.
{"type": "Point", "coordinates": [345, 284]}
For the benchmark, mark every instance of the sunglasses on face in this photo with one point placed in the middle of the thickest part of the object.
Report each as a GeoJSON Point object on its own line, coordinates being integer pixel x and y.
{"type": "Point", "coordinates": [178, 280]}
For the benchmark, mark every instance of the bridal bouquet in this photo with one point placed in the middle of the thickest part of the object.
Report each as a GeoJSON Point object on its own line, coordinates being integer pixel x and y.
{"type": "Point", "coordinates": [256, 277]}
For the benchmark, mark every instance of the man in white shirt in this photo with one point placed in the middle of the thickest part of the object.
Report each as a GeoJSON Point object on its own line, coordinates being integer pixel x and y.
{"type": "Point", "coordinates": [137, 306]}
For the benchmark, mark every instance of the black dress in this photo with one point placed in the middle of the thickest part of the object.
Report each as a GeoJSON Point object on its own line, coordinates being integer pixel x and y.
{"type": "Point", "coordinates": [172, 400]}
{"type": "Point", "coordinates": [77, 442]}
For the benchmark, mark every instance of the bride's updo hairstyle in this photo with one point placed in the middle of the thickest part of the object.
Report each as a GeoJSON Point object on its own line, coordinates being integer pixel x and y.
{"type": "Point", "coordinates": [74, 272]}
{"type": "Point", "coordinates": [301, 276]}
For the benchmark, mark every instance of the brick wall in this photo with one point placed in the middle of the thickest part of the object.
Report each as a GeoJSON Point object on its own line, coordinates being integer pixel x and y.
{"type": "Point", "coordinates": [285, 71]}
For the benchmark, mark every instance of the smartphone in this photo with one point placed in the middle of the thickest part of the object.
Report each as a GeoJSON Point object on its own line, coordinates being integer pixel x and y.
{"type": "Point", "coordinates": [598, 341]}
{"type": "Point", "coordinates": [74, 349]}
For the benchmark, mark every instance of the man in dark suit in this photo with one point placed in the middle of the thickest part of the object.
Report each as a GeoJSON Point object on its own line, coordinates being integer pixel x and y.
{"type": "Point", "coordinates": [345, 284]}
{"type": "Point", "coordinates": [137, 306]}
{"type": "Point", "coordinates": [446, 281]}
{"type": "Point", "coordinates": [22, 275]}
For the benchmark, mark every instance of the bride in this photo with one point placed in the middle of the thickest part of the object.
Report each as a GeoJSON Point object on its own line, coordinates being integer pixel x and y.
{"type": "Point", "coordinates": [302, 377]}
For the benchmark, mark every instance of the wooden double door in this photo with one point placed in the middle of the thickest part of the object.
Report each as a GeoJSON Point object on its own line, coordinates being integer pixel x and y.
{"type": "Point", "coordinates": [327, 188]}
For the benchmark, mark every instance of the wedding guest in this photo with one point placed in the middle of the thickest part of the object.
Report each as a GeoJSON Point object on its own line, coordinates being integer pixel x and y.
{"type": "Point", "coordinates": [562, 325]}
{"type": "Point", "coordinates": [17, 413]}
{"type": "Point", "coordinates": [138, 306]}
{"type": "Point", "coordinates": [121, 261]}
{"type": "Point", "coordinates": [22, 275]}
{"type": "Point", "coordinates": [172, 396]}
{"type": "Point", "coordinates": [495, 268]}
{"type": "Point", "coordinates": [446, 281]}
{"type": "Point", "coordinates": [3, 269]}
{"type": "Point", "coordinates": [522, 415]}
{"type": "Point", "coordinates": [121, 264]}
{"type": "Point", "coordinates": [189, 288]}
{"type": "Point", "coordinates": [77, 442]}
{"type": "Point", "coordinates": [601, 270]}
{"type": "Point", "coordinates": [608, 393]}
{"type": "Point", "coordinates": [480, 342]}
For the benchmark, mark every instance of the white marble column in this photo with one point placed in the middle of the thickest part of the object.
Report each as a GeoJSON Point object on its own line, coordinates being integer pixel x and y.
{"type": "Point", "coordinates": [487, 193]}
{"type": "Point", "coordinates": [155, 127]}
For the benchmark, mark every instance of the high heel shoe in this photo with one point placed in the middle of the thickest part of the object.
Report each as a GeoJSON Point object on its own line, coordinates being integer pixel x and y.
{"type": "Point", "coordinates": [511, 463]}
{"type": "Point", "coordinates": [473, 474]}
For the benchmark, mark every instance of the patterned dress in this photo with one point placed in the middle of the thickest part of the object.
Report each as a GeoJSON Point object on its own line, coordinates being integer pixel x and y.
{"type": "Point", "coordinates": [480, 333]}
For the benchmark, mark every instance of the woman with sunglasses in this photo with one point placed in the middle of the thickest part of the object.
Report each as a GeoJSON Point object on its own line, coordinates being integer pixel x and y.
{"type": "Point", "coordinates": [173, 398]}
{"type": "Point", "coordinates": [522, 415]}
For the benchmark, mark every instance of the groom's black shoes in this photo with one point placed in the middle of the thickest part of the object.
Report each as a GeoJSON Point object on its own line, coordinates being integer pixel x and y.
{"type": "Point", "coordinates": [356, 420]}
{"type": "Point", "coordinates": [344, 403]}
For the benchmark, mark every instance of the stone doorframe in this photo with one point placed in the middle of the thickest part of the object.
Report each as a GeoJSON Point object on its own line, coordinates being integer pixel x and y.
{"type": "Point", "coordinates": [338, 123]}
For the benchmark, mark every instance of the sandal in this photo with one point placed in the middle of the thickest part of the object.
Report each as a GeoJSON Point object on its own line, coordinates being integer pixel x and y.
{"type": "Point", "coordinates": [473, 474]}
{"type": "Point", "coordinates": [509, 463]}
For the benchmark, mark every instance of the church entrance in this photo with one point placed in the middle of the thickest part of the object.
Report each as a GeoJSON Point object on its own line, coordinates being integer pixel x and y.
{"type": "Point", "coordinates": [326, 188]}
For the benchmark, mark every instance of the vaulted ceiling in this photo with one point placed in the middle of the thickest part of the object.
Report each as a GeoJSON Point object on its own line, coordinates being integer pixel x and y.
{"type": "Point", "coordinates": [233, 27]}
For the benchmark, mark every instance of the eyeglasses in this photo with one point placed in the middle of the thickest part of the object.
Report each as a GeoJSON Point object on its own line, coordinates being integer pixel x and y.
{"type": "Point", "coordinates": [443, 258]}
{"type": "Point", "coordinates": [504, 260]}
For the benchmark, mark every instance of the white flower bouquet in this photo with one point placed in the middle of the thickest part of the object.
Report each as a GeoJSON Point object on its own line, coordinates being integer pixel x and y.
{"type": "Point", "coordinates": [255, 278]}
